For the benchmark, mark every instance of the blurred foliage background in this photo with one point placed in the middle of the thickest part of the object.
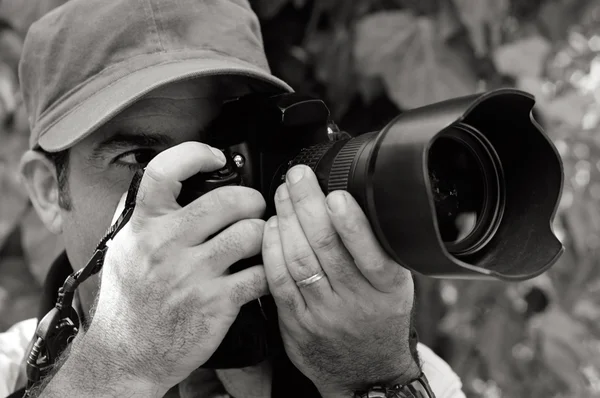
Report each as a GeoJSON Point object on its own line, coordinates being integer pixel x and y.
{"type": "Point", "coordinates": [372, 59]}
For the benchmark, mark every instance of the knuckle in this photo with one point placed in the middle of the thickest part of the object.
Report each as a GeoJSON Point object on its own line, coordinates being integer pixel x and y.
{"type": "Point", "coordinates": [246, 236]}
{"type": "Point", "coordinates": [326, 240]}
{"type": "Point", "coordinates": [231, 242]}
{"type": "Point", "coordinates": [287, 301]}
{"type": "Point", "coordinates": [226, 198]}
{"type": "Point", "coordinates": [159, 253]}
{"type": "Point", "coordinates": [254, 227]}
{"type": "Point", "coordinates": [253, 199]}
{"type": "Point", "coordinates": [279, 280]}
{"type": "Point", "coordinates": [301, 258]}
{"type": "Point", "coordinates": [301, 196]}
{"type": "Point", "coordinates": [242, 200]}
{"type": "Point", "coordinates": [234, 242]}
{"type": "Point", "coordinates": [352, 228]}
{"type": "Point", "coordinates": [155, 246]}
{"type": "Point", "coordinates": [243, 292]}
{"type": "Point", "coordinates": [378, 267]}
{"type": "Point", "coordinates": [401, 276]}
{"type": "Point", "coordinates": [242, 239]}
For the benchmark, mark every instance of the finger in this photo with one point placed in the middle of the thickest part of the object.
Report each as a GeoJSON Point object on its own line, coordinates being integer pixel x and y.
{"type": "Point", "coordinates": [309, 207]}
{"type": "Point", "coordinates": [302, 263]}
{"type": "Point", "coordinates": [286, 294]}
{"type": "Point", "coordinates": [162, 178]}
{"type": "Point", "coordinates": [355, 231]}
{"type": "Point", "coordinates": [216, 210]}
{"type": "Point", "coordinates": [247, 285]}
{"type": "Point", "coordinates": [239, 241]}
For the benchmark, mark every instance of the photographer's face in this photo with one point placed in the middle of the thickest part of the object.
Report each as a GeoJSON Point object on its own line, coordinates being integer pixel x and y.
{"type": "Point", "coordinates": [102, 165]}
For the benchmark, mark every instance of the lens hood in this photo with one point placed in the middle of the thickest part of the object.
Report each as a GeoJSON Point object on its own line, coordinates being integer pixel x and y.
{"type": "Point", "coordinates": [392, 184]}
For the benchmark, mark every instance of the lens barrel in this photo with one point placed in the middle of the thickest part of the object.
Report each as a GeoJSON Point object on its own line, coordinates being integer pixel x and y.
{"type": "Point", "coordinates": [465, 188]}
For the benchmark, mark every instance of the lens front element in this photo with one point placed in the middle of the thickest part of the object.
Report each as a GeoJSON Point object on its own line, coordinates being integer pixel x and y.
{"type": "Point", "coordinates": [468, 188]}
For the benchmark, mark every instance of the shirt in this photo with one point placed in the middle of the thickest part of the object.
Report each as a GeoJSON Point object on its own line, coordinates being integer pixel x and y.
{"type": "Point", "coordinates": [251, 382]}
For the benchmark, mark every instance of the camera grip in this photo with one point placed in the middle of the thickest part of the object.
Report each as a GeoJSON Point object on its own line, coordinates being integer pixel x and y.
{"type": "Point", "coordinates": [254, 335]}
{"type": "Point", "coordinates": [201, 183]}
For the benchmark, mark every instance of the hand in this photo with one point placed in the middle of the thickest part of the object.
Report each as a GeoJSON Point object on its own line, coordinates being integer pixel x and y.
{"type": "Point", "coordinates": [350, 328]}
{"type": "Point", "coordinates": [166, 299]}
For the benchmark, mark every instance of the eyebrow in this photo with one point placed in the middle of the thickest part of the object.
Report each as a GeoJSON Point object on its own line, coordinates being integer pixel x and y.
{"type": "Point", "coordinates": [122, 140]}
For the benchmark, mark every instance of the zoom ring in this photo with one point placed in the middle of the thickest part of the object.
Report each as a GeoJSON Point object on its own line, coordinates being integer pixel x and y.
{"type": "Point", "coordinates": [340, 170]}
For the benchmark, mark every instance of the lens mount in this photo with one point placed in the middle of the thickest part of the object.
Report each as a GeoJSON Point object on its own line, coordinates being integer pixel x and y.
{"type": "Point", "coordinates": [493, 195]}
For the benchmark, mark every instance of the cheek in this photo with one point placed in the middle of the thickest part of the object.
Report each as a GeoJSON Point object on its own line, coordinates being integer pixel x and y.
{"type": "Point", "coordinates": [94, 199]}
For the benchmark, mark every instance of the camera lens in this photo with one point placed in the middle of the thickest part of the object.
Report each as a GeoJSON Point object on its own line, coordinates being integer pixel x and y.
{"type": "Point", "coordinates": [467, 186]}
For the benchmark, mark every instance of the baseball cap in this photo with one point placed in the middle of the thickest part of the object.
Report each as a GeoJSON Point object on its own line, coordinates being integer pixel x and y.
{"type": "Point", "coordinates": [87, 60]}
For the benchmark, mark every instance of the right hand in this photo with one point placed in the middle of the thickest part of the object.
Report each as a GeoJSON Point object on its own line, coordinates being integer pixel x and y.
{"type": "Point", "coordinates": [167, 299]}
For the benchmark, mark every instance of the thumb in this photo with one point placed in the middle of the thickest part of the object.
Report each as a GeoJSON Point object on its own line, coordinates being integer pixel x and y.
{"type": "Point", "coordinates": [162, 178]}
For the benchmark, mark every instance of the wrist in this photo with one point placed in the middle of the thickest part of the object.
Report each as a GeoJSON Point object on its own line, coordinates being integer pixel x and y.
{"type": "Point", "coordinates": [411, 372]}
{"type": "Point", "coordinates": [91, 370]}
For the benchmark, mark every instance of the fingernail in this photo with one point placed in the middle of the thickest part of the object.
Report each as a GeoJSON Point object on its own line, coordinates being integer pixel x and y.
{"type": "Point", "coordinates": [336, 202]}
{"type": "Point", "coordinates": [273, 222]}
{"type": "Point", "coordinates": [219, 154]}
{"type": "Point", "coordinates": [295, 174]}
{"type": "Point", "coordinates": [282, 192]}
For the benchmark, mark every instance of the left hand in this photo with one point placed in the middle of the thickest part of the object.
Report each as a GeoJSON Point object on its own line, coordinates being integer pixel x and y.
{"type": "Point", "coordinates": [349, 329]}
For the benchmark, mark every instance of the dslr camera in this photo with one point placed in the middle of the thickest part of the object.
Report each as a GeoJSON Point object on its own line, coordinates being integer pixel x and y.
{"type": "Point", "coordinates": [466, 188]}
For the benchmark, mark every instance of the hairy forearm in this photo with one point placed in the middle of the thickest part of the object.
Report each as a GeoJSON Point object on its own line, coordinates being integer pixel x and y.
{"type": "Point", "coordinates": [85, 370]}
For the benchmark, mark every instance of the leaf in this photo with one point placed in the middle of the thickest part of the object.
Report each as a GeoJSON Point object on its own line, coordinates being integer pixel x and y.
{"type": "Point", "coordinates": [21, 14]}
{"type": "Point", "coordinates": [523, 58]}
{"type": "Point", "coordinates": [447, 21]}
{"type": "Point", "coordinates": [334, 67]}
{"type": "Point", "coordinates": [11, 45]}
{"type": "Point", "coordinates": [416, 67]}
{"type": "Point", "coordinates": [13, 200]}
{"type": "Point", "coordinates": [268, 9]}
{"type": "Point", "coordinates": [483, 19]}
{"type": "Point", "coordinates": [370, 88]}
{"type": "Point", "coordinates": [556, 18]}
{"type": "Point", "coordinates": [420, 7]}
{"type": "Point", "coordinates": [569, 108]}
{"type": "Point", "coordinates": [564, 347]}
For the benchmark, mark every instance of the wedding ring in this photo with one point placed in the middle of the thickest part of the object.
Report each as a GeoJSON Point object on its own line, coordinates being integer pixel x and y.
{"type": "Point", "coordinates": [311, 279]}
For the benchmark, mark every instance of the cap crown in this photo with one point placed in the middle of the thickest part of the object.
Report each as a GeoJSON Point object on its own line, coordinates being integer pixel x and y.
{"type": "Point", "coordinates": [85, 45]}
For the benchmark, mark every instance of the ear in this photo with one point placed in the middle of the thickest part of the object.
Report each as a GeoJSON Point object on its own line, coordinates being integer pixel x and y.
{"type": "Point", "coordinates": [39, 176]}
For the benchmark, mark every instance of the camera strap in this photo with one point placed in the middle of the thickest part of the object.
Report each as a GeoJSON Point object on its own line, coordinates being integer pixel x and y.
{"type": "Point", "coordinates": [60, 325]}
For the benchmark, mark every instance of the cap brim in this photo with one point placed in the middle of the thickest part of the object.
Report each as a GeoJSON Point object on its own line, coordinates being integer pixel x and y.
{"type": "Point", "coordinates": [103, 105]}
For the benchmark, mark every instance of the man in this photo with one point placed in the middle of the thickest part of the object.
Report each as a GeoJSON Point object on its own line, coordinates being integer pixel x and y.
{"type": "Point", "coordinates": [112, 87]}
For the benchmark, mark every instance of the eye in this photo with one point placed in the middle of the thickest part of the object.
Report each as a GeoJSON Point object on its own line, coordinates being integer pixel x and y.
{"type": "Point", "coordinates": [136, 158]}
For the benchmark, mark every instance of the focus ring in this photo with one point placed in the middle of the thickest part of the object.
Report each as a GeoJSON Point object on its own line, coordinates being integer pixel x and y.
{"type": "Point", "coordinates": [342, 165]}
{"type": "Point", "coordinates": [311, 156]}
